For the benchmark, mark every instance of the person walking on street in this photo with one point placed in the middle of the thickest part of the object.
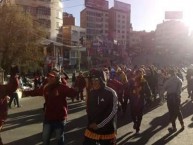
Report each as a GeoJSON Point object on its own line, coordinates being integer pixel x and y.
{"type": "Point", "coordinates": [161, 80]}
{"type": "Point", "coordinates": [80, 84]}
{"type": "Point", "coordinates": [139, 92]}
{"type": "Point", "coordinates": [102, 105]}
{"type": "Point", "coordinates": [173, 87]}
{"type": "Point", "coordinates": [5, 91]}
{"type": "Point", "coordinates": [55, 108]}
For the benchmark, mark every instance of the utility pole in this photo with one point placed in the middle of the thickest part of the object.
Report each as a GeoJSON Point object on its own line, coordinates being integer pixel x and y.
{"type": "Point", "coordinates": [81, 41]}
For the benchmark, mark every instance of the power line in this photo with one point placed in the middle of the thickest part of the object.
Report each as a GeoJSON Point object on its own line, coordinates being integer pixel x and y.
{"type": "Point", "coordinates": [74, 6]}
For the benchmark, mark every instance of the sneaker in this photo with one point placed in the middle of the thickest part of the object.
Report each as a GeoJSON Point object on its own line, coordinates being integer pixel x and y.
{"type": "Point", "coordinates": [134, 126]}
{"type": "Point", "coordinates": [182, 127]}
{"type": "Point", "coordinates": [1, 143]}
{"type": "Point", "coordinates": [172, 130]}
{"type": "Point", "coordinates": [137, 131]}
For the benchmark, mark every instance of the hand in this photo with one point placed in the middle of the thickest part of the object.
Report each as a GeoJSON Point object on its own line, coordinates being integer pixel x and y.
{"type": "Point", "coordinates": [93, 126]}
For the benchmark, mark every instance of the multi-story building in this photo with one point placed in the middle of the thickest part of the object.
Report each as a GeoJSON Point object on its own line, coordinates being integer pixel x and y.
{"type": "Point", "coordinates": [49, 13]}
{"type": "Point", "coordinates": [142, 40]}
{"type": "Point", "coordinates": [171, 35]}
{"type": "Point", "coordinates": [95, 18]}
{"type": "Point", "coordinates": [72, 44]}
{"type": "Point", "coordinates": [68, 19]}
{"type": "Point", "coordinates": [119, 22]}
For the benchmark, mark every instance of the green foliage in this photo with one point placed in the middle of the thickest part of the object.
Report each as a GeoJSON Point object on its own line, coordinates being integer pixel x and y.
{"type": "Point", "coordinates": [20, 37]}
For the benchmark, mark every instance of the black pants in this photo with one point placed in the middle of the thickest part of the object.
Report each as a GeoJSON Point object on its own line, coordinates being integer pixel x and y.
{"type": "Point", "coordinates": [190, 90]}
{"type": "Point", "coordinates": [173, 103]}
{"type": "Point", "coordinates": [80, 95]}
{"type": "Point", "coordinates": [14, 97]}
{"type": "Point", "coordinates": [88, 141]}
{"type": "Point", "coordinates": [136, 117]}
{"type": "Point", "coordinates": [124, 105]}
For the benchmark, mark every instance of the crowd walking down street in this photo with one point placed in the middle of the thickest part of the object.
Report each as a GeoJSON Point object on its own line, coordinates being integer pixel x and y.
{"type": "Point", "coordinates": [102, 117]}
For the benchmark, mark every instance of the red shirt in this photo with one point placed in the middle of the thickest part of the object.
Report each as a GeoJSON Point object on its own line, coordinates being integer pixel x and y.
{"type": "Point", "coordinates": [55, 101]}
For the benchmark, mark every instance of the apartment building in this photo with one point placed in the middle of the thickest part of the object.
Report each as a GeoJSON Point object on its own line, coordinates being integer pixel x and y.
{"type": "Point", "coordinates": [73, 47]}
{"type": "Point", "coordinates": [68, 19]}
{"type": "Point", "coordinates": [171, 34]}
{"type": "Point", "coordinates": [49, 13]}
{"type": "Point", "coordinates": [95, 18]}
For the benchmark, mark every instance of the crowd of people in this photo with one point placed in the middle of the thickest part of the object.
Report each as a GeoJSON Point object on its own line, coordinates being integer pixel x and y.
{"type": "Point", "coordinates": [109, 90]}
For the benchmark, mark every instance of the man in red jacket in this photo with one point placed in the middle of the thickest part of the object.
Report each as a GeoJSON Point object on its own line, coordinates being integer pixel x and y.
{"type": "Point", "coordinates": [55, 108]}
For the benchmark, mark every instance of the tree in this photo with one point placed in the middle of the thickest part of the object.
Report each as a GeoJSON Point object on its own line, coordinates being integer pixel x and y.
{"type": "Point", "coordinates": [20, 37]}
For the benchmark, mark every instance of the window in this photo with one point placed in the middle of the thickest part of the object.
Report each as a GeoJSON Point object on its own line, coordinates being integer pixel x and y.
{"type": "Point", "coordinates": [43, 11]}
{"type": "Point", "coordinates": [73, 54]}
{"type": "Point", "coordinates": [57, 25]}
{"type": "Point", "coordinates": [44, 22]}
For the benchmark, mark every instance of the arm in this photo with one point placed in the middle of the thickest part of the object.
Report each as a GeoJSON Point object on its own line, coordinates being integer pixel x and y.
{"type": "Point", "coordinates": [113, 112]}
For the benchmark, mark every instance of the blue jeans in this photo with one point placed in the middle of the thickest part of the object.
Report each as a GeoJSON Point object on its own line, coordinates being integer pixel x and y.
{"type": "Point", "coordinates": [49, 128]}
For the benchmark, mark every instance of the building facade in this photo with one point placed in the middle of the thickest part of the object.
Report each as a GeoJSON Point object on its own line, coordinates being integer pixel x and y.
{"type": "Point", "coordinates": [171, 35]}
{"type": "Point", "coordinates": [49, 13]}
{"type": "Point", "coordinates": [68, 19]}
{"type": "Point", "coordinates": [95, 19]}
{"type": "Point", "coordinates": [73, 49]}
{"type": "Point", "coordinates": [119, 23]}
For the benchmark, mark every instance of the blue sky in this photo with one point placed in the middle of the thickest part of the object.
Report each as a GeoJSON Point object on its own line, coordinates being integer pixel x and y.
{"type": "Point", "coordinates": [145, 14]}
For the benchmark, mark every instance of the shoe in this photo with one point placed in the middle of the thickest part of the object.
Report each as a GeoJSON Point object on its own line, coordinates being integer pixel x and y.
{"type": "Point", "coordinates": [137, 131]}
{"type": "Point", "coordinates": [182, 127]}
{"type": "Point", "coordinates": [172, 130]}
{"type": "Point", "coordinates": [1, 143]}
{"type": "Point", "coordinates": [134, 126]}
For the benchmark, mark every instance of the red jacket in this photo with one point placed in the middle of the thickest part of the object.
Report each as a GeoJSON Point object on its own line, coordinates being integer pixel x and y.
{"type": "Point", "coordinates": [116, 86]}
{"type": "Point", "coordinates": [55, 101]}
{"type": "Point", "coordinates": [80, 82]}
{"type": "Point", "coordinates": [6, 90]}
{"type": "Point", "coordinates": [3, 110]}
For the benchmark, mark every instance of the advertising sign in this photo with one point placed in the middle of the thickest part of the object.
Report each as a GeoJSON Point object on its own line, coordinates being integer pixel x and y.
{"type": "Point", "coordinates": [98, 4]}
{"type": "Point", "coordinates": [122, 6]}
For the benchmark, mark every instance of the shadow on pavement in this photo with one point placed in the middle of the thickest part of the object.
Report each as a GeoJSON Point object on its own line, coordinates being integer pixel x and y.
{"type": "Point", "coordinates": [75, 131]}
{"type": "Point", "coordinates": [31, 140]}
{"type": "Point", "coordinates": [157, 124]}
{"type": "Point", "coordinates": [25, 118]}
{"type": "Point", "coordinates": [168, 137]}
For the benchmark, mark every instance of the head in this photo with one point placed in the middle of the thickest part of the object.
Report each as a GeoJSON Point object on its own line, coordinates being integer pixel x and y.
{"type": "Point", "coordinates": [80, 73]}
{"type": "Point", "coordinates": [139, 74]}
{"type": "Point", "coordinates": [98, 79]}
{"type": "Point", "coordinates": [53, 77]}
{"type": "Point", "coordinates": [172, 72]}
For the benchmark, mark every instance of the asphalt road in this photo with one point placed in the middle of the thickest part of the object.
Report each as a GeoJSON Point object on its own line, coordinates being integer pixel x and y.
{"type": "Point", "coordinates": [24, 125]}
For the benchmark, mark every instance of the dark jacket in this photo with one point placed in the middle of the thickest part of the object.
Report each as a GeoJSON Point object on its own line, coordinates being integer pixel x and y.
{"type": "Point", "coordinates": [80, 83]}
{"type": "Point", "coordinates": [102, 109]}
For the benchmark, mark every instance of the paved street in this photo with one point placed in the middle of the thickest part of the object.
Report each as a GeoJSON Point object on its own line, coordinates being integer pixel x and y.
{"type": "Point", "coordinates": [24, 125]}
